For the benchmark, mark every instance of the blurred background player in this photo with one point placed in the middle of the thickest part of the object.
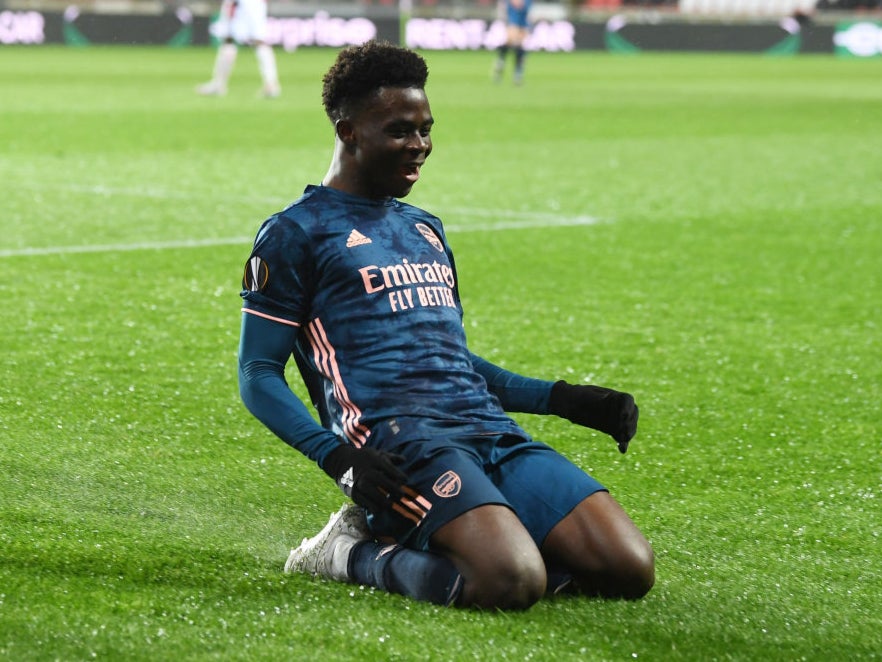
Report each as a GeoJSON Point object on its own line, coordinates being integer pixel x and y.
{"type": "Point", "coordinates": [517, 28]}
{"type": "Point", "coordinates": [242, 22]}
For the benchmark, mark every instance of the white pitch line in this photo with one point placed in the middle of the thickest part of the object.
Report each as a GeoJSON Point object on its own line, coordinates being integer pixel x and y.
{"type": "Point", "coordinates": [122, 248]}
{"type": "Point", "coordinates": [531, 220]}
{"type": "Point", "coordinates": [154, 192]}
{"type": "Point", "coordinates": [538, 222]}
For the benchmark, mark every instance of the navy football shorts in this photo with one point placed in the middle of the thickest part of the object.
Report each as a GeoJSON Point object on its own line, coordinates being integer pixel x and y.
{"type": "Point", "coordinates": [455, 475]}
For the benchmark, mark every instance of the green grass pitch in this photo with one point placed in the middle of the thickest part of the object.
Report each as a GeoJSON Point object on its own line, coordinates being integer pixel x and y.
{"type": "Point", "coordinates": [703, 231]}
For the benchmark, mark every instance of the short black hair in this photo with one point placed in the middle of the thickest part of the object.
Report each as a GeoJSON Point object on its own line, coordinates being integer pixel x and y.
{"type": "Point", "coordinates": [360, 71]}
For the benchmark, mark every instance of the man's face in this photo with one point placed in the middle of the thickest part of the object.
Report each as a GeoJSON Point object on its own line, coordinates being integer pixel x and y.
{"type": "Point", "coordinates": [391, 142]}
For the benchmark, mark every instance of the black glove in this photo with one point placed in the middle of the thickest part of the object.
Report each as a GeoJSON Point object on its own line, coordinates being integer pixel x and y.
{"type": "Point", "coordinates": [598, 408]}
{"type": "Point", "coordinates": [368, 476]}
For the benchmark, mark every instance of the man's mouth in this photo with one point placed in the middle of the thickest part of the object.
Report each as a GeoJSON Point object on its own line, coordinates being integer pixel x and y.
{"type": "Point", "coordinates": [411, 172]}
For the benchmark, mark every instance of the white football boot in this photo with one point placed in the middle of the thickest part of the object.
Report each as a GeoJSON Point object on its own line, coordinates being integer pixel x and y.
{"type": "Point", "coordinates": [326, 554]}
{"type": "Point", "coordinates": [212, 89]}
{"type": "Point", "coordinates": [271, 91]}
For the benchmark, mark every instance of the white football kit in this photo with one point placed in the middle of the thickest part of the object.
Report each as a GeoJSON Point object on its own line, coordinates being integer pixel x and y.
{"type": "Point", "coordinates": [243, 21]}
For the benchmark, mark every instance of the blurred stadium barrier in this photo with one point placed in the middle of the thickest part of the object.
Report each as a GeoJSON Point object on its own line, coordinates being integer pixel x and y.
{"type": "Point", "coordinates": [780, 27]}
{"type": "Point", "coordinates": [747, 7]}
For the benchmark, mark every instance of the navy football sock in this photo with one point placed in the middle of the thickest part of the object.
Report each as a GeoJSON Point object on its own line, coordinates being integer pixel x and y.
{"type": "Point", "coordinates": [423, 576]}
{"type": "Point", "coordinates": [519, 59]}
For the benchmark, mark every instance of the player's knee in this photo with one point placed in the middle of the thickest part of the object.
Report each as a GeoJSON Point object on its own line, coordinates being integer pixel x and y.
{"type": "Point", "coordinates": [514, 583]}
{"type": "Point", "coordinates": [628, 573]}
{"type": "Point", "coordinates": [636, 573]}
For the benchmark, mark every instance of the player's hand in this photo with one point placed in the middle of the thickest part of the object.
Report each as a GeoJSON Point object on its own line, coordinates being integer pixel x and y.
{"type": "Point", "coordinates": [598, 408]}
{"type": "Point", "coordinates": [368, 476]}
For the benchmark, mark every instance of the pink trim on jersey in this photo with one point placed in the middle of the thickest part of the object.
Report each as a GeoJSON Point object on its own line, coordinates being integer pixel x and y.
{"type": "Point", "coordinates": [326, 360]}
{"type": "Point", "coordinates": [270, 317]}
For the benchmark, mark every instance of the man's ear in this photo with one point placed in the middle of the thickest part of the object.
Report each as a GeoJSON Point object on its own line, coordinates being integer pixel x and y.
{"type": "Point", "coordinates": [345, 132]}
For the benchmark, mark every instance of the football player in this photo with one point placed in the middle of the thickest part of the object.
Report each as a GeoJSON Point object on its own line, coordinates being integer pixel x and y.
{"type": "Point", "coordinates": [454, 503]}
{"type": "Point", "coordinates": [517, 27]}
{"type": "Point", "coordinates": [242, 22]}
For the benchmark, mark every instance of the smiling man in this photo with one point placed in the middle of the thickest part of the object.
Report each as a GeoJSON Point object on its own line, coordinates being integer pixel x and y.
{"type": "Point", "coordinates": [454, 503]}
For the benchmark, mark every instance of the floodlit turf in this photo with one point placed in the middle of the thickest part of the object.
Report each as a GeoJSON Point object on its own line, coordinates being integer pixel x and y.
{"type": "Point", "coordinates": [703, 231]}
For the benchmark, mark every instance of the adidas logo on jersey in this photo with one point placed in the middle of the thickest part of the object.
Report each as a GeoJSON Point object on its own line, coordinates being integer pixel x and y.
{"type": "Point", "coordinates": [356, 238]}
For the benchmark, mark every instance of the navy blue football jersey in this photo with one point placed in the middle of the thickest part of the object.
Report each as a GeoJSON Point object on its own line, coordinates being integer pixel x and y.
{"type": "Point", "coordinates": [372, 288]}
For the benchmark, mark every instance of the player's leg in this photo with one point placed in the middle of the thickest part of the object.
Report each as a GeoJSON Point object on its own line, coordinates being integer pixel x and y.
{"type": "Point", "coordinates": [255, 24]}
{"type": "Point", "coordinates": [499, 562]}
{"type": "Point", "coordinates": [223, 66]}
{"type": "Point", "coordinates": [499, 62]}
{"type": "Point", "coordinates": [421, 575]}
{"type": "Point", "coordinates": [266, 64]}
{"type": "Point", "coordinates": [345, 550]}
{"type": "Point", "coordinates": [519, 53]}
{"type": "Point", "coordinates": [225, 58]}
{"type": "Point", "coordinates": [518, 76]}
{"type": "Point", "coordinates": [466, 519]}
{"type": "Point", "coordinates": [603, 549]}
{"type": "Point", "coordinates": [469, 522]}
{"type": "Point", "coordinates": [581, 530]}
{"type": "Point", "coordinates": [483, 558]}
